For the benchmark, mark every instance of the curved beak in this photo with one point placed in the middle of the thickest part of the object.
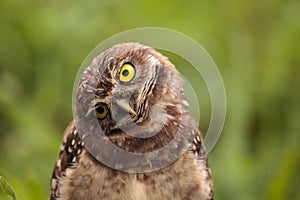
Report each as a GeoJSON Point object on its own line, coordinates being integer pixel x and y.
{"type": "Point", "coordinates": [123, 104]}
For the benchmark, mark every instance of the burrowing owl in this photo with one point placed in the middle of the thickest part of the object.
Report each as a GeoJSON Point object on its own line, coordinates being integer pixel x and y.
{"type": "Point", "coordinates": [134, 96]}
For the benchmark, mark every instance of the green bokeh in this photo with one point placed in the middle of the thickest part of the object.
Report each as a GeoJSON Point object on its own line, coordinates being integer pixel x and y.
{"type": "Point", "coordinates": [254, 43]}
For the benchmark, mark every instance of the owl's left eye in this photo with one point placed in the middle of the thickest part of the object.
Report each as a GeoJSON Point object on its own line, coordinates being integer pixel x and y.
{"type": "Point", "coordinates": [127, 72]}
{"type": "Point", "coordinates": [101, 111]}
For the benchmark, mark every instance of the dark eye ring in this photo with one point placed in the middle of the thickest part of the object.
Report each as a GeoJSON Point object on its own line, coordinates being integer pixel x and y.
{"type": "Point", "coordinates": [127, 72]}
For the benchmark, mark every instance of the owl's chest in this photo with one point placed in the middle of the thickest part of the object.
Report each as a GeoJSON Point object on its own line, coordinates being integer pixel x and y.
{"type": "Point", "coordinates": [90, 181]}
{"type": "Point", "coordinates": [107, 185]}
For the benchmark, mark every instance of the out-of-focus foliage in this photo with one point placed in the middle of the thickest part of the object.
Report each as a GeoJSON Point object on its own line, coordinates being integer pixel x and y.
{"type": "Point", "coordinates": [254, 43]}
{"type": "Point", "coordinates": [6, 192]}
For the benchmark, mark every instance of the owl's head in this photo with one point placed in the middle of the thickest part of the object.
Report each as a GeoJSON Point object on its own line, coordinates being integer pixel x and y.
{"type": "Point", "coordinates": [133, 95]}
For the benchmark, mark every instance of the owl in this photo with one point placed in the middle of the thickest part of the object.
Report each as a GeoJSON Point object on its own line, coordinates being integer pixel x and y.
{"type": "Point", "coordinates": [132, 137]}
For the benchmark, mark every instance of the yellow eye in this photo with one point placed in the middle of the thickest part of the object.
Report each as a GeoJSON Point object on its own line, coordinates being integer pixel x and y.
{"type": "Point", "coordinates": [101, 111]}
{"type": "Point", "coordinates": [127, 72]}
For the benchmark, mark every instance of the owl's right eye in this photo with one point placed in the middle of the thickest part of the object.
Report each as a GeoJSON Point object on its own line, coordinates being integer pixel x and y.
{"type": "Point", "coordinates": [127, 72]}
{"type": "Point", "coordinates": [101, 111]}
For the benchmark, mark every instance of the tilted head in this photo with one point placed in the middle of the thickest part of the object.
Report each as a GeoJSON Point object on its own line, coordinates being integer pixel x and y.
{"type": "Point", "coordinates": [134, 95]}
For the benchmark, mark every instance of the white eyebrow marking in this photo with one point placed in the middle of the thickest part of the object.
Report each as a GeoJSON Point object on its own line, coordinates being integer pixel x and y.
{"type": "Point", "coordinates": [153, 60]}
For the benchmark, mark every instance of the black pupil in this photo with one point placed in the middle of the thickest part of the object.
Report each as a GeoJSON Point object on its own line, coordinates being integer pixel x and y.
{"type": "Point", "coordinates": [100, 110]}
{"type": "Point", "coordinates": [125, 72]}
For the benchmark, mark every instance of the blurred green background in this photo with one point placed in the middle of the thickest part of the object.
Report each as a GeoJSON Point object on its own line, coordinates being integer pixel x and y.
{"type": "Point", "coordinates": [255, 44]}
